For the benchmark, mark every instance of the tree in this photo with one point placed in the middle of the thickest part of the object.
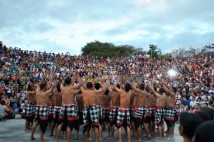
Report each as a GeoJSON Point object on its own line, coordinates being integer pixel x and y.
{"type": "Point", "coordinates": [154, 51]}
{"type": "Point", "coordinates": [105, 50]}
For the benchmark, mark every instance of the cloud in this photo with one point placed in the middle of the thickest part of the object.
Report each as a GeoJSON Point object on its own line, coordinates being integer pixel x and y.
{"type": "Point", "coordinates": [67, 25]}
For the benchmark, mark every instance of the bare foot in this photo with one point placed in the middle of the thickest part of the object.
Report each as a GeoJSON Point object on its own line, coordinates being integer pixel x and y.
{"type": "Point", "coordinates": [42, 140]}
{"type": "Point", "coordinates": [111, 138]}
{"type": "Point", "coordinates": [32, 138]}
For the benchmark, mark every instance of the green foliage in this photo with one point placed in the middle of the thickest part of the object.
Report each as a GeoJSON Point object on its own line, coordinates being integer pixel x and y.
{"type": "Point", "coordinates": [154, 52]}
{"type": "Point", "coordinates": [105, 50]}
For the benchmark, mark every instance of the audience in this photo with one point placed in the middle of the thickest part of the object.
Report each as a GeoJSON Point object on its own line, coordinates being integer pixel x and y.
{"type": "Point", "coordinates": [193, 85]}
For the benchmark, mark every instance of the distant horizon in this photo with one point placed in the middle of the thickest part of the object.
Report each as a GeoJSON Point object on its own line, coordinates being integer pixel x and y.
{"type": "Point", "coordinates": [92, 41]}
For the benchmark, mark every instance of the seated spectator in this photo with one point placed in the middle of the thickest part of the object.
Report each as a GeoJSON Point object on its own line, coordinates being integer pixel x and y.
{"type": "Point", "coordinates": [3, 110]}
{"type": "Point", "coordinates": [204, 132]}
{"type": "Point", "coordinates": [192, 102]}
{"type": "Point", "coordinates": [185, 101]}
{"type": "Point", "coordinates": [188, 125]}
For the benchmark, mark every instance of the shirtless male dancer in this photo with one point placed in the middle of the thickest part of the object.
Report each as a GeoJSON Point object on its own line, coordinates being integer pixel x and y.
{"type": "Point", "coordinates": [69, 112]}
{"type": "Point", "coordinates": [90, 110]}
{"type": "Point", "coordinates": [30, 107]}
{"type": "Point", "coordinates": [123, 116]}
{"type": "Point", "coordinates": [140, 110]}
{"type": "Point", "coordinates": [160, 105]}
{"type": "Point", "coordinates": [113, 109]}
{"type": "Point", "coordinates": [41, 117]}
{"type": "Point", "coordinates": [57, 97]}
{"type": "Point", "coordinates": [105, 102]}
{"type": "Point", "coordinates": [170, 111]}
{"type": "Point", "coordinates": [150, 112]}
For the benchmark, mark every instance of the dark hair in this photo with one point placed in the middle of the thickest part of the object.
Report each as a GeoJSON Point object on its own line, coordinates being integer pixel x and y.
{"type": "Point", "coordinates": [106, 92]}
{"type": "Point", "coordinates": [68, 81]}
{"type": "Point", "coordinates": [118, 86]}
{"type": "Point", "coordinates": [142, 86]}
{"type": "Point", "coordinates": [97, 86]}
{"type": "Point", "coordinates": [208, 111]}
{"type": "Point", "coordinates": [89, 85]}
{"type": "Point", "coordinates": [2, 102]}
{"type": "Point", "coordinates": [128, 87]}
{"type": "Point", "coordinates": [205, 132]}
{"type": "Point", "coordinates": [189, 122]}
{"type": "Point", "coordinates": [58, 87]}
{"type": "Point", "coordinates": [161, 90]}
{"type": "Point", "coordinates": [204, 117]}
{"type": "Point", "coordinates": [42, 86]}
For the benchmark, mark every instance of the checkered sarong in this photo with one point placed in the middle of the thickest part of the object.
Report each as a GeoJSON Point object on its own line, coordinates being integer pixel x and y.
{"type": "Point", "coordinates": [122, 114]}
{"type": "Point", "coordinates": [159, 115]}
{"type": "Point", "coordinates": [69, 110]}
{"type": "Point", "coordinates": [50, 109]}
{"type": "Point", "coordinates": [113, 113]}
{"type": "Point", "coordinates": [99, 111]}
{"type": "Point", "coordinates": [42, 111]}
{"type": "Point", "coordinates": [139, 111]}
{"type": "Point", "coordinates": [149, 111]}
{"type": "Point", "coordinates": [132, 110]}
{"type": "Point", "coordinates": [91, 115]}
{"type": "Point", "coordinates": [105, 113]}
{"type": "Point", "coordinates": [30, 109]}
{"type": "Point", "coordinates": [57, 111]}
{"type": "Point", "coordinates": [170, 114]}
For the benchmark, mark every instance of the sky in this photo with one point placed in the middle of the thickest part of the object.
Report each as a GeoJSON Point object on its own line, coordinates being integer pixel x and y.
{"type": "Point", "coordinates": [68, 25]}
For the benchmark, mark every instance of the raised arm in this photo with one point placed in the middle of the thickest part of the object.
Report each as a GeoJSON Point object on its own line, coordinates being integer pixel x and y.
{"type": "Point", "coordinates": [43, 79]}
{"type": "Point", "coordinates": [135, 88]}
{"type": "Point", "coordinates": [154, 92]}
{"type": "Point", "coordinates": [51, 89]}
{"type": "Point", "coordinates": [168, 91]}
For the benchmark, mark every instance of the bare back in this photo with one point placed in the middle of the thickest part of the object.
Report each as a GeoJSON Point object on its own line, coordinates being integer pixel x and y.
{"type": "Point", "coordinates": [68, 95]}
{"type": "Point", "coordinates": [114, 98]}
{"type": "Point", "coordinates": [125, 98]}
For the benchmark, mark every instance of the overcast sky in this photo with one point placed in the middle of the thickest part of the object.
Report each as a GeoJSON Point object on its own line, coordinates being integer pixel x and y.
{"type": "Point", "coordinates": [67, 25]}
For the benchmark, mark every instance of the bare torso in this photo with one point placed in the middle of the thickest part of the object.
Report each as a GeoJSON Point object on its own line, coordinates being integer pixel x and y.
{"type": "Point", "coordinates": [125, 98]}
{"type": "Point", "coordinates": [79, 99]}
{"type": "Point", "coordinates": [42, 98]}
{"type": "Point", "coordinates": [105, 101]}
{"type": "Point", "coordinates": [31, 97]}
{"type": "Point", "coordinates": [149, 101]}
{"type": "Point", "coordinates": [170, 101]}
{"type": "Point", "coordinates": [114, 98]}
{"type": "Point", "coordinates": [161, 101]}
{"type": "Point", "coordinates": [68, 95]}
{"type": "Point", "coordinates": [140, 99]}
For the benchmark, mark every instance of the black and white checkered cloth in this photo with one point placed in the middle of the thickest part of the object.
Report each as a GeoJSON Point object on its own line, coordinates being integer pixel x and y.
{"type": "Point", "coordinates": [122, 113]}
{"type": "Point", "coordinates": [113, 113]}
{"type": "Point", "coordinates": [105, 113]}
{"type": "Point", "coordinates": [70, 110]}
{"type": "Point", "coordinates": [99, 107]}
{"type": "Point", "coordinates": [139, 111]}
{"type": "Point", "coordinates": [150, 111]}
{"type": "Point", "coordinates": [42, 111]}
{"type": "Point", "coordinates": [91, 114]}
{"type": "Point", "coordinates": [51, 109]}
{"type": "Point", "coordinates": [30, 109]}
{"type": "Point", "coordinates": [170, 113]}
{"type": "Point", "coordinates": [159, 115]}
{"type": "Point", "coordinates": [57, 111]}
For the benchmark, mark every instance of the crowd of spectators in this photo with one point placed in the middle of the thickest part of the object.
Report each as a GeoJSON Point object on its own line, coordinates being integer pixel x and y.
{"type": "Point", "coordinates": [193, 83]}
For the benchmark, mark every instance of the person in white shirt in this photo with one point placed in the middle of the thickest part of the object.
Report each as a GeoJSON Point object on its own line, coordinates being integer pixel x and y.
{"type": "Point", "coordinates": [193, 102]}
